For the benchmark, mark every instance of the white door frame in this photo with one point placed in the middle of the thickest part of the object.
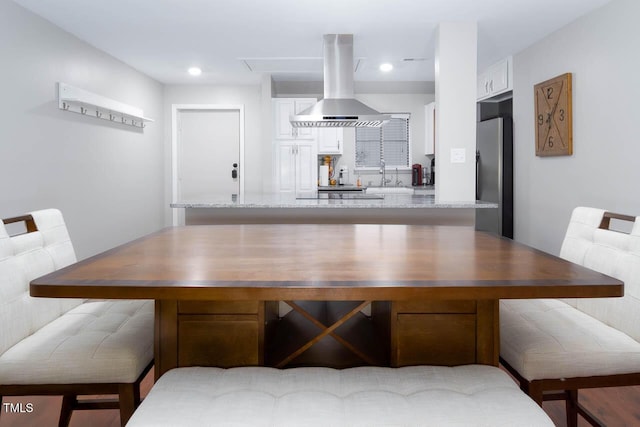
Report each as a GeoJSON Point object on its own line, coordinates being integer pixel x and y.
{"type": "Point", "coordinates": [175, 109]}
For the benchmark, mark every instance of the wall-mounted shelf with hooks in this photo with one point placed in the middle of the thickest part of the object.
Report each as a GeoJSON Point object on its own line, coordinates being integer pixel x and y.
{"type": "Point", "coordinates": [80, 101]}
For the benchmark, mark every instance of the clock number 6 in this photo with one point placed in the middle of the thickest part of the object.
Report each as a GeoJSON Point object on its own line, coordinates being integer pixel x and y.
{"type": "Point", "coordinates": [551, 142]}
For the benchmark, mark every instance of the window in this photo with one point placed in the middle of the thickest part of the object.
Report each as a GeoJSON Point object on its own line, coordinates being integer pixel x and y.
{"type": "Point", "coordinates": [389, 143]}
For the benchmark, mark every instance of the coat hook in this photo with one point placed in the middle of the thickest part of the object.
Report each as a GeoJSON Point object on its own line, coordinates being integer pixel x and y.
{"type": "Point", "coordinates": [83, 110]}
{"type": "Point", "coordinates": [98, 114]}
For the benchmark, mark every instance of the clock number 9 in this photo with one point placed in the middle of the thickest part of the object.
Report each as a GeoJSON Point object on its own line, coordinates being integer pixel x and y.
{"type": "Point", "coordinates": [551, 142]}
{"type": "Point", "coordinates": [540, 119]}
{"type": "Point", "coordinates": [561, 116]}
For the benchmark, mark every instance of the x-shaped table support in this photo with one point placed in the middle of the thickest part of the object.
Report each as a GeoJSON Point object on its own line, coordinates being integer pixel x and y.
{"type": "Point", "coordinates": [326, 330]}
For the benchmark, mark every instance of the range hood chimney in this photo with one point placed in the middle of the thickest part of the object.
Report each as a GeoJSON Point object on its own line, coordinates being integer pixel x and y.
{"type": "Point", "coordinates": [339, 108]}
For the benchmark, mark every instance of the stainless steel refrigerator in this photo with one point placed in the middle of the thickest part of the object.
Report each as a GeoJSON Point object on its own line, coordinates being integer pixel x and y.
{"type": "Point", "coordinates": [494, 175]}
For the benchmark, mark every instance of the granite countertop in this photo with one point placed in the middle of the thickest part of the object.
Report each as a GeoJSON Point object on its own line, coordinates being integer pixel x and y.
{"type": "Point", "coordinates": [348, 187]}
{"type": "Point", "coordinates": [319, 200]}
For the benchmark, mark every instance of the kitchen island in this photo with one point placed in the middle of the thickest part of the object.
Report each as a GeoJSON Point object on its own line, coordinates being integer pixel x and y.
{"type": "Point", "coordinates": [361, 208]}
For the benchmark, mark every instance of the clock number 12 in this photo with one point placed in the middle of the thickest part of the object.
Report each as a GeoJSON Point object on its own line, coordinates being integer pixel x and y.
{"type": "Point", "coordinates": [549, 92]}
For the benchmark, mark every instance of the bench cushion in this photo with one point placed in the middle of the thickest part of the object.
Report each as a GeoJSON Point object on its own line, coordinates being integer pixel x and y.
{"type": "Point", "coordinates": [547, 338]}
{"type": "Point", "coordinates": [472, 395]}
{"type": "Point", "coordinates": [96, 342]}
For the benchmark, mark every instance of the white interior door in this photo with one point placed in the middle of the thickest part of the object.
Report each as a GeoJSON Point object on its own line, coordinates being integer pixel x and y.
{"type": "Point", "coordinates": [208, 154]}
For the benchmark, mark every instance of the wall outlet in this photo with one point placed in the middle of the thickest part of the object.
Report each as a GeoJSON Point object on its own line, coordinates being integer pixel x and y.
{"type": "Point", "coordinates": [458, 155]}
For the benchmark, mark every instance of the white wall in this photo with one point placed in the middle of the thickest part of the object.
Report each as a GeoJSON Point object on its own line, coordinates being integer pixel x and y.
{"type": "Point", "coordinates": [456, 79]}
{"type": "Point", "coordinates": [600, 49]}
{"type": "Point", "coordinates": [107, 179]}
{"type": "Point", "coordinates": [255, 146]}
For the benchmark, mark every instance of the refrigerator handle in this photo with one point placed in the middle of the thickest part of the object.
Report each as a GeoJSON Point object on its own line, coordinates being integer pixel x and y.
{"type": "Point", "coordinates": [477, 174]}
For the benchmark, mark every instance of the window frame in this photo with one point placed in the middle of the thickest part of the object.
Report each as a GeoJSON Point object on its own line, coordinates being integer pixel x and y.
{"type": "Point", "coordinates": [407, 117]}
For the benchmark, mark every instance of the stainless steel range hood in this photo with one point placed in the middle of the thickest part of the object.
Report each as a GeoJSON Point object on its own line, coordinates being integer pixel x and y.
{"type": "Point", "coordinates": [339, 108]}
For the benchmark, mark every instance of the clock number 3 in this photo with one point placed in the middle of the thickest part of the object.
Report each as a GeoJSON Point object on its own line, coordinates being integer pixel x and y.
{"type": "Point", "coordinates": [561, 115]}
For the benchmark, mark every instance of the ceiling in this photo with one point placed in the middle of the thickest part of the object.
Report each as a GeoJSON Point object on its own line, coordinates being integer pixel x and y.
{"type": "Point", "coordinates": [162, 38]}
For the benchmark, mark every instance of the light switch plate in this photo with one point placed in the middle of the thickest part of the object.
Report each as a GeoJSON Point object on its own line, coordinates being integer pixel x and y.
{"type": "Point", "coordinates": [458, 155]}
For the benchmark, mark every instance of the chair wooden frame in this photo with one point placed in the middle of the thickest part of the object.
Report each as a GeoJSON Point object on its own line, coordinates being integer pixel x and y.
{"type": "Point", "coordinates": [128, 393]}
{"type": "Point", "coordinates": [127, 402]}
{"type": "Point", "coordinates": [567, 388]}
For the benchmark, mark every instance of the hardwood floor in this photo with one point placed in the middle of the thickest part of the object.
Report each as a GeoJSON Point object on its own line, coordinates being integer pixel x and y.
{"type": "Point", "coordinates": [616, 407]}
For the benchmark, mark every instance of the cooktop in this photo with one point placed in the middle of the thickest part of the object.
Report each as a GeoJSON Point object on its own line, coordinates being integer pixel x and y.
{"type": "Point", "coordinates": [338, 196]}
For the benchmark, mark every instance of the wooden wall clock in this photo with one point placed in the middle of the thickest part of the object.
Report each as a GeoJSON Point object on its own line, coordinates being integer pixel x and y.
{"type": "Point", "coordinates": [554, 136]}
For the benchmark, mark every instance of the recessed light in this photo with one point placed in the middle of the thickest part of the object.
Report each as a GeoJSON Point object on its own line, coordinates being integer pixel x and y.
{"type": "Point", "coordinates": [386, 67]}
{"type": "Point", "coordinates": [195, 71]}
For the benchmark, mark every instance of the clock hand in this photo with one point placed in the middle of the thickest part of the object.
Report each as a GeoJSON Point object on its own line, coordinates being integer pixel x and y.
{"type": "Point", "coordinates": [550, 116]}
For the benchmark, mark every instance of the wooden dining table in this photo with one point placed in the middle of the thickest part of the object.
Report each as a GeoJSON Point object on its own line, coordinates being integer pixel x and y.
{"type": "Point", "coordinates": [389, 295]}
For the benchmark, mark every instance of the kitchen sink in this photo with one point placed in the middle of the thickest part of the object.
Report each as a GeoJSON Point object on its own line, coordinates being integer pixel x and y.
{"type": "Point", "coordinates": [389, 190]}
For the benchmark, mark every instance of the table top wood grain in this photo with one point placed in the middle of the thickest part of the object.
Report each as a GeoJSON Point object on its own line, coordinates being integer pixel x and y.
{"type": "Point", "coordinates": [324, 262]}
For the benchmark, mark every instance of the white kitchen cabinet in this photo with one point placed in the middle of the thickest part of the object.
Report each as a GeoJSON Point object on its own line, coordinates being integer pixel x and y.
{"type": "Point", "coordinates": [496, 79]}
{"type": "Point", "coordinates": [330, 140]}
{"type": "Point", "coordinates": [306, 167]}
{"type": "Point", "coordinates": [295, 166]}
{"type": "Point", "coordinates": [285, 107]}
{"type": "Point", "coordinates": [430, 129]}
{"type": "Point", "coordinates": [295, 150]}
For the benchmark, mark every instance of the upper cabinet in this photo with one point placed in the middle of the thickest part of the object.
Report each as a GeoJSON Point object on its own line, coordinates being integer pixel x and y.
{"type": "Point", "coordinates": [496, 79]}
{"type": "Point", "coordinates": [285, 107]}
{"type": "Point", "coordinates": [430, 129]}
{"type": "Point", "coordinates": [330, 140]}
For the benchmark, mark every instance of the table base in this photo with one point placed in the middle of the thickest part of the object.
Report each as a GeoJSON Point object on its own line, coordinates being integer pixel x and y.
{"type": "Point", "coordinates": [325, 333]}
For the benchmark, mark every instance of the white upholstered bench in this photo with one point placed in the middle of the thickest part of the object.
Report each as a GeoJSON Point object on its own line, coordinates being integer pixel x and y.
{"type": "Point", "coordinates": [62, 346]}
{"type": "Point", "coordinates": [471, 395]}
{"type": "Point", "coordinates": [554, 347]}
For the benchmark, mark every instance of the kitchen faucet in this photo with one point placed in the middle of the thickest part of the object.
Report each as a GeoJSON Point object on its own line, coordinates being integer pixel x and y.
{"type": "Point", "coordinates": [398, 182]}
{"type": "Point", "coordinates": [383, 181]}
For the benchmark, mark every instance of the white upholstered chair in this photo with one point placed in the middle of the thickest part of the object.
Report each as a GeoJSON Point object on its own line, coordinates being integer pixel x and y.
{"type": "Point", "coordinates": [67, 347]}
{"type": "Point", "coordinates": [556, 347]}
